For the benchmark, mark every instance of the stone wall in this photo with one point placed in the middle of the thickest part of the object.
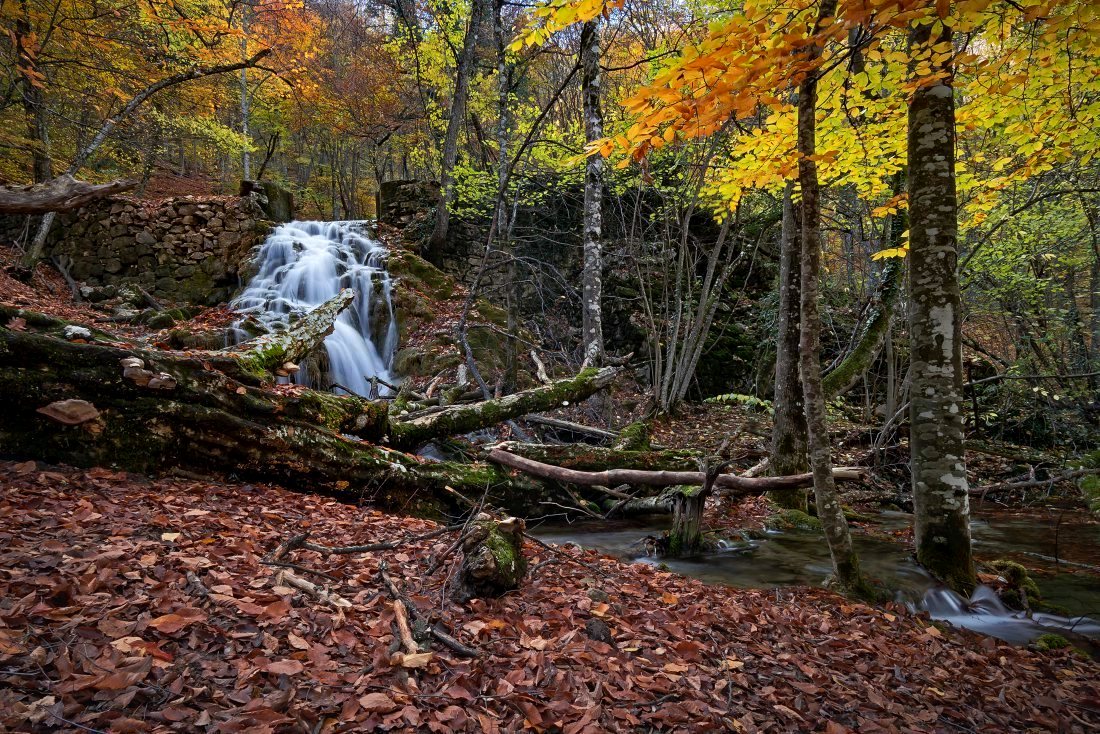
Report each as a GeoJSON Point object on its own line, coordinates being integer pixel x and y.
{"type": "Point", "coordinates": [182, 250]}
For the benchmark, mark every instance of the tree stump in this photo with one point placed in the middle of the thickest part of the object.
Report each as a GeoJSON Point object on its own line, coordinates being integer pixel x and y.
{"type": "Point", "coordinates": [493, 561]}
{"type": "Point", "coordinates": [686, 536]}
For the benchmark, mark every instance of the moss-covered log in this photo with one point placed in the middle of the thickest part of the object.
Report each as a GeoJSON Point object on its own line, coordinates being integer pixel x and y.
{"type": "Point", "coordinates": [269, 352]}
{"type": "Point", "coordinates": [461, 419]}
{"type": "Point", "coordinates": [159, 411]}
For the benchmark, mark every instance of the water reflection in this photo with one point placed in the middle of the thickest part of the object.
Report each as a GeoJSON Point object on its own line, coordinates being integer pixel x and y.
{"type": "Point", "coordinates": [802, 558]}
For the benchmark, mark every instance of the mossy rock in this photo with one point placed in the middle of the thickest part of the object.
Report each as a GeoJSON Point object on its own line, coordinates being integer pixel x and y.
{"type": "Point", "coordinates": [792, 520]}
{"type": "Point", "coordinates": [162, 320]}
{"type": "Point", "coordinates": [1023, 592]}
{"type": "Point", "coordinates": [419, 274]}
{"type": "Point", "coordinates": [1050, 641]}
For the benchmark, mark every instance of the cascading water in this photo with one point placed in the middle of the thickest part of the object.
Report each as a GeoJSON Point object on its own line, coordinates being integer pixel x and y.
{"type": "Point", "coordinates": [304, 264]}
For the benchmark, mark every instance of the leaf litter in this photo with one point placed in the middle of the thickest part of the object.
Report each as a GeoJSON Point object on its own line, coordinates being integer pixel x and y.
{"type": "Point", "coordinates": [129, 605]}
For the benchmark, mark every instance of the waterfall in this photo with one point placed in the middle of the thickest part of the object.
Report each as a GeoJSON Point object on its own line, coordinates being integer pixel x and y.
{"type": "Point", "coordinates": [302, 265]}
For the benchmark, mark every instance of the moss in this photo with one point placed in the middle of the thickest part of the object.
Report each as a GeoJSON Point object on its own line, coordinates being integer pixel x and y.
{"type": "Point", "coordinates": [1050, 641]}
{"type": "Point", "coordinates": [161, 321]}
{"type": "Point", "coordinates": [1023, 592]}
{"type": "Point", "coordinates": [634, 437]}
{"type": "Point", "coordinates": [792, 520]}
{"type": "Point", "coordinates": [509, 561]}
{"type": "Point", "coordinates": [1090, 489]}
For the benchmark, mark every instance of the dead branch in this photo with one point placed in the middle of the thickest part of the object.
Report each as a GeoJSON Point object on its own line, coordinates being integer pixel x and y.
{"type": "Point", "coordinates": [613, 477]}
{"type": "Point", "coordinates": [57, 195]}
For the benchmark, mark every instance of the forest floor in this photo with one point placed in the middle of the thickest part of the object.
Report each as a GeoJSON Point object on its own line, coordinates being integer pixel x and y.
{"type": "Point", "coordinates": [134, 605]}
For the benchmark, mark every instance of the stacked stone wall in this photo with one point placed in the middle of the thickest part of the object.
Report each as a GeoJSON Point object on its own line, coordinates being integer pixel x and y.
{"type": "Point", "coordinates": [183, 250]}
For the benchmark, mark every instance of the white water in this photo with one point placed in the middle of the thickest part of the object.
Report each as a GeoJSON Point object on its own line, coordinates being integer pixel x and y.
{"type": "Point", "coordinates": [304, 264]}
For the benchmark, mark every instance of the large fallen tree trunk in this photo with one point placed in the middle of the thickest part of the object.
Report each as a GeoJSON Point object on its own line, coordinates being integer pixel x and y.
{"type": "Point", "coordinates": [729, 483]}
{"type": "Point", "coordinates": [139, 410]}
{"type": "Point", "coordinates": [56, 195]}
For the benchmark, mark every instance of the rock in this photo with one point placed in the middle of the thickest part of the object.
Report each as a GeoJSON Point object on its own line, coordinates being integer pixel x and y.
{"type": "Point", "coordinates": [70, 412]}
{"type": "Point", "coordinates": [162, 320]}
{"type": "Point", "coordinates": [597, 630]}
{"type": "Point", "coordinates": [77, 332]}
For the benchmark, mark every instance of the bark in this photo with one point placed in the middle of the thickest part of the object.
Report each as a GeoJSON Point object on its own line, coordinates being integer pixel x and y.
{"type": "Point", "coordinates": [267, 353]}
{"type": "Point", "coordinates": [788, 446]}
{"type": "Point", "coordinates": [940, 496]}
{"type": "Point", "coordinates": [592, 275]}
{"type": "Point", "coordinates": [460, 419]}
{"type": "Point", "coordinates": [830, 512]}
{"type": "Point", "coordinates": [727, 483]}
{"type": "Point", "coordinates": [463, 73]}
{"type": "Point", "coordinates": [60, 194]}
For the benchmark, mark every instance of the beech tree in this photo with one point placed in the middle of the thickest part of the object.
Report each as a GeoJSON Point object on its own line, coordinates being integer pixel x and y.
{"type": "Point", "coordinates": [592, 290]}
{"type": "Point", "coordinates": [940, 496]}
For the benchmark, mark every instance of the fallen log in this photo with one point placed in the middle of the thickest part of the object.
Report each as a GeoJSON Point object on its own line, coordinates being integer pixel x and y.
{"type": "Point", "coordinates": [731, 483]}
{"type": "Point", "coordinates": [458, 419]}
{"type": "Point", "coordinates": [56, 195]}
{"type": "Point", "coordinates": [159, 411]}
{"type": "Point", "coordinates": [258, 357]}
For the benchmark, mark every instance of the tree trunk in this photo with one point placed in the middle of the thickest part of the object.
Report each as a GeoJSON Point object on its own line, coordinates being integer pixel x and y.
{"type": "Point", "coordinates": [460, 419]}
{"type": "Point", "coordinates": [592, 276]}
{"type": "Point", "coordinates": [788, 447]}
{"type": "Point", "coordinates": [463, 72]}
{"type": "Point", "coordinates": [726, 483]}
{"type": "Point", "coordinates": [175, 411]}
{"type": "Point", "coordinates": [267, 353]}
{"type": "Point", "coordinates": [829, 510]}
{"type": "Point", "coordinates": [940, 497]}
{"type": "Point", "coordinates": [34, 97]}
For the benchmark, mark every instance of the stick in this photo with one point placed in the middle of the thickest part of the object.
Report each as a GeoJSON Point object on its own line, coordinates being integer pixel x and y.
{"type": "Point", "coordinates": [437, 630]}
{"type": "Point", "coordinates": [402, 618]}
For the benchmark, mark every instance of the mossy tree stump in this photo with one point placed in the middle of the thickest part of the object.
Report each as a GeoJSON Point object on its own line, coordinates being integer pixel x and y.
{"type": "Point", "coordinates": [686, 536]}
{"type": "Point", "coordinates": [493, 561]}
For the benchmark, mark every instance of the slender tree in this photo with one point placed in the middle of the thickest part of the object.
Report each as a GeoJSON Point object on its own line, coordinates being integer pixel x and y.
{"type": "Point", "coordinates": [940, 490]}
{"type": "Point", "coordinates": [463, 72]}
{"type": "Point", "coordinates": [592, 277]}
{"type": "Point", "coordinates": [829, 510]}
{"type": "Point", "coordinates": [788, 447]}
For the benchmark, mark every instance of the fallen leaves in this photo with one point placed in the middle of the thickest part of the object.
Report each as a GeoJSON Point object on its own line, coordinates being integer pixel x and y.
{"type": "Point", "coordinates": [100, 624]}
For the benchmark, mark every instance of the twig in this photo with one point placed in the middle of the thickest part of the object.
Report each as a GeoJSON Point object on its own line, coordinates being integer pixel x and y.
{"type": "Point", "coordinates": [565, 556]}
{"type": "Point", "coordinates": [436, 630]}
{"type": "Point", "coordinates": [371, 547]}
{"type": "Point", "coordinates": [302, 569]}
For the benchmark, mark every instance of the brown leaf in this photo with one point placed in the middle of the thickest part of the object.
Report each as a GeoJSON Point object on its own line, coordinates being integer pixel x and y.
{"type": "Point", "coordinates": [284, 667]}
{"type": "Point", "coordinates": [377, 702]}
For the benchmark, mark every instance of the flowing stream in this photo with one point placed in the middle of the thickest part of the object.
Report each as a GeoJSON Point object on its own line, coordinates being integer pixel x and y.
{"type": "Point", "coordinates": [302, 265]}
{"type": "Point", "coordinates": [802, 558]}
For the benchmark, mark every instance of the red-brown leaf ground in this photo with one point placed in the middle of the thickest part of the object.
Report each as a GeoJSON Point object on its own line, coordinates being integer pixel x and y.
{"type": "Point", "coordinates": [101, 629]}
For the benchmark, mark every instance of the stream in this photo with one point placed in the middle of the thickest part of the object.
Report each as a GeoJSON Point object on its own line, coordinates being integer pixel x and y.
{"type": "Point", "coordinates": [801, 558]}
